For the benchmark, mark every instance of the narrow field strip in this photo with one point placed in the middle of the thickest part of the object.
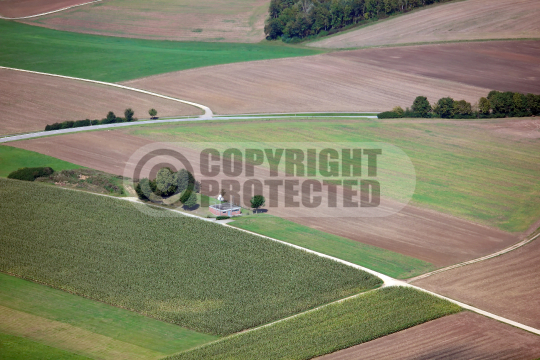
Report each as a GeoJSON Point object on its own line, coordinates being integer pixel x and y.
{"type": "Point", "coordinates": [49, 12]}
{"type": "Point", "coordinates": [207, 112]}
{"type": "Point", "coordinates": [71, 338]}
{"type": "Point", "coordinates": [498, 253]}
{"type": "Point", "coordinates": [17, 347]}
{"type": "Point", "coordinates": [331, 328]}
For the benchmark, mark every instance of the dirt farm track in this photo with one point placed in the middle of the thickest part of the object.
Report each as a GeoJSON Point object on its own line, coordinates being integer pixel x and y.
{"type": "Point", "coordinates": [508, 285]}
{"type": "Point", "coordinates": [360, 80]}
{"type": "Point", "coordinates": [461, 336]}
{"type": "Point", "coordinates": [20, 8]}
{"type": "Point", "coordinates": [430, 236]}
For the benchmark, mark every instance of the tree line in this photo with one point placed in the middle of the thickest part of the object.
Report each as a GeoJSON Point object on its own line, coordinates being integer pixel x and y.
{"type": "Point", "coordinates": [496, 105]}
{"type": "Point", "coordinates": [293, 20]}
{"type": "Point", "coordinates": [110, 119]}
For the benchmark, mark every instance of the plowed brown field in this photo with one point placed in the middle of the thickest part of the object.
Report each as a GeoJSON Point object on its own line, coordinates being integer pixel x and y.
{"type": "Point", "coordinates": [427, 235]}
{"type": "Point", "coordinates": [463, 336]}
{"type": "Point", "coordinates": [361, 80]}
{"type": "Point", "coordinates": [461, 20]}
{"type": "Point", "coordinates": [20, 8]}
{"type": "Point", "coordinates": [28, 102]}
{"type": "Point", "coordinates": [180, 20]}
{"type": "Point", "coordinates": [507, 285]}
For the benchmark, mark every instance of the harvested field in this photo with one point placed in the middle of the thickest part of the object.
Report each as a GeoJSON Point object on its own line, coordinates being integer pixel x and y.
{"type": "Point", "coordinates": [424, 234]}
{"type": "Point", "coordinates": [28, 102]}
{"type": "Point", "coordinates": [20, 8]}
{"type": "Point", "coordinates": [507, 285]}
{"type": "Point", "coordinates": [462, 20]}
{"type": "Point", "coordinates": [184, 20]}
{"type": "Point", "coordinates": [500, 65]}
{"type": "Point", "coordinates": [463, 336]}
{"type": "Point", "coordinates": [332, 82]}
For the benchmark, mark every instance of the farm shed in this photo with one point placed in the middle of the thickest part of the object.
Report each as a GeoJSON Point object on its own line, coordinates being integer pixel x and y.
{"type": "Point", "coordinates": [225, 209]}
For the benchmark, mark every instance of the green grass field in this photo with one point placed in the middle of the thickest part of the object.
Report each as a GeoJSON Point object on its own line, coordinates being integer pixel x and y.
{"type": "Point", "coordinates": [381, 260]}
{"type": "Point", "coordinates": [115, 59]}
{"type": "Point", "coordinates": [186, 271]}
{"type": "Point", "coordinates": [12, 159]}
{"type": "Point", "coordinates": [19, 348]}
{"type": "Point", "coordinates": [461, 169]}
{"type": "Point", "coordinates": [126, 329]}
{"type": "Point", "coordinates": [334, 327]}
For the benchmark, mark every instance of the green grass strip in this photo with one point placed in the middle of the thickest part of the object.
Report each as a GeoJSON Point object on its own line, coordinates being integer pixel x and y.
{"type": "Point", "coordinates": [97, 317]}
{"type": "Point", "coordinates": [12, 159]}
{"type": "Point", "coordinates": [332, 328]}
{"type": "Point", "coordinates": [381, 260]}
{"type": "Point", "coordinates": [19, 348]}
{"type": "Point", "coordinates": [114, 59]}
{"type": "Point", "coordinates": [186, 271]}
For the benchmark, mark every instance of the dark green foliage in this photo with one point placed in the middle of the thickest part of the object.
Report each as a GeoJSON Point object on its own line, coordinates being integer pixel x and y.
{"type": "Point", "coordinates": [484, 106]}
{"type": "Point", "coordinates": [388, 115]}
{"type": "Point", "coordinates": [111, 118]}
{"type": "Point", "coordinates": [331, 328]}
{"type": "Point", "coordinates": [175, 268]}
{"type": "Point", "coordinates": [444, 107]}
{"type": "Point", "coordinates": [30, 174]}
{"type": "Point", "coordinates": [67, 124]}
{"type": "Point", "coordinates": [293, 20]}
{"type": "Point", "coordinates": [80, 123]}
{"type": "Point", "coordinates": [222, 217]}
{"type": "Point", "coordinates": [166, 182]}
{"type": "Point", "coordinates": [95, 122]}
{"type": "Point", "coordinates": [533, 103]}
{"type": "Point", "coordinates": [128, 113]}
{"type": "Point", "coordinates": [144, 189]}
{"type": "Point", "coordinates": [421, 107]}
{"type": "Point", "coordinates": [462, 109]}
{"type": "Point", "coordinates": [185, 196]}
{"type": "Point", "coordinates": [152, 112]}
{"type": "Point", "coordinates": [191, 200]}
{"type": "Point", "coordinates": [257, 201]}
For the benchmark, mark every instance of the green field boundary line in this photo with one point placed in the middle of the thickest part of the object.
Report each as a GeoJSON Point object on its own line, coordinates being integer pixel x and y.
{"type": "Point", "coordinates": [487, 257]}
{"type": "Point", "coordinates": [49, 12]}
{"type": "Point", "coordinates": [207, 112]}
{"type": "Point", "coordinates": [387, 280]}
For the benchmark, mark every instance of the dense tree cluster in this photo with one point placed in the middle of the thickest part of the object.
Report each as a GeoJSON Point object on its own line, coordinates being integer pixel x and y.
{"type": "Point", "coordinates": [168, 183]}
{"type": "Point", "coordinates": [30, 174]}
{"type": "Point", "coordinates": [297, 19]}
{"type": "Point", "coordinates": [110, 119]}
{"type": "Point", "coordinates": [496, 105]}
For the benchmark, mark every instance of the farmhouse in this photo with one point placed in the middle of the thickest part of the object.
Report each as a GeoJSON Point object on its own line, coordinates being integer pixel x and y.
{"type": "Point", "coordinates": [225, 209]}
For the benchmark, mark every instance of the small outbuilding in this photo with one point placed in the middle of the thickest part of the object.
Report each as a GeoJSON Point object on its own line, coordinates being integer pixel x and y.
{"type": "Point", "coordinates": [225, 209]}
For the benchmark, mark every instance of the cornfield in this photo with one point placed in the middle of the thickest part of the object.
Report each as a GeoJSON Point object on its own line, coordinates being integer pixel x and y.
{"type": "Point", "coordinates": [182, 270]}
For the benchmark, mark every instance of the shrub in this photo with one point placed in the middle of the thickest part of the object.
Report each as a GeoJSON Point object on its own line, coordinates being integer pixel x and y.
{"type": "Point", "coordinates": [389, 115]}
{"type": "Point", "coordinates": [94, 122]}
{"type": "Point", "coordinates": [398, 110]}
{"type": "Point", "coordinates": [128, 113]}
{"type": "Point", "coordinates": [223, 217]}
{"type": "Point", "coordinates": [67, 124]}
{"type": "Point", "coordinates": [30, 174]}
{"type": "Point", "coordinates": [462, 109]}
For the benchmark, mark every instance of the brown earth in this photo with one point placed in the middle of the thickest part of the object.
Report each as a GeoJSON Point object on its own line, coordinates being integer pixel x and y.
{"type": "Point", "coordinates": [360, 80]}
{"type": "Point", "coordinates": [28, 102]}
{"type": "Point", "coordinates": [427, 235]}
{"type": "Point", "coordinates": [463, 336]}
{"type": "Point", "coordinates": [499, 65]}
{"type": "Point", "coordinates": [460, 20]}
{"type": "Point", "coordinates": [20, 8]}
{"type": "Point", "coordinates": [179, 20]}
{"type": "Point", "coordinates": [507, 285]}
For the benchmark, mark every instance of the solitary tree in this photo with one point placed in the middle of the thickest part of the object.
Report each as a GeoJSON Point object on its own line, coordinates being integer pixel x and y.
{"type": "Point", "coordinates": [421, 106]}
{"type": "Point", "coordinates": [128, 114]}
{"type": "Point", "coordinates": [257, 201]}
{"type": "Point", "coordinates": [152, 112]}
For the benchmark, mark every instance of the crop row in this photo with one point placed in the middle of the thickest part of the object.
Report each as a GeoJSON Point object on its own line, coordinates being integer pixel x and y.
{"type": "Point", "coordinates": [193, 273]}
{"type": "Point", "coordinates": [331, 328]}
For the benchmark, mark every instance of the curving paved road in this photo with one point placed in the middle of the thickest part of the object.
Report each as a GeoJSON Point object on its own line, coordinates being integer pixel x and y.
{"type": "Point", "coordinates": [49, 12]}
